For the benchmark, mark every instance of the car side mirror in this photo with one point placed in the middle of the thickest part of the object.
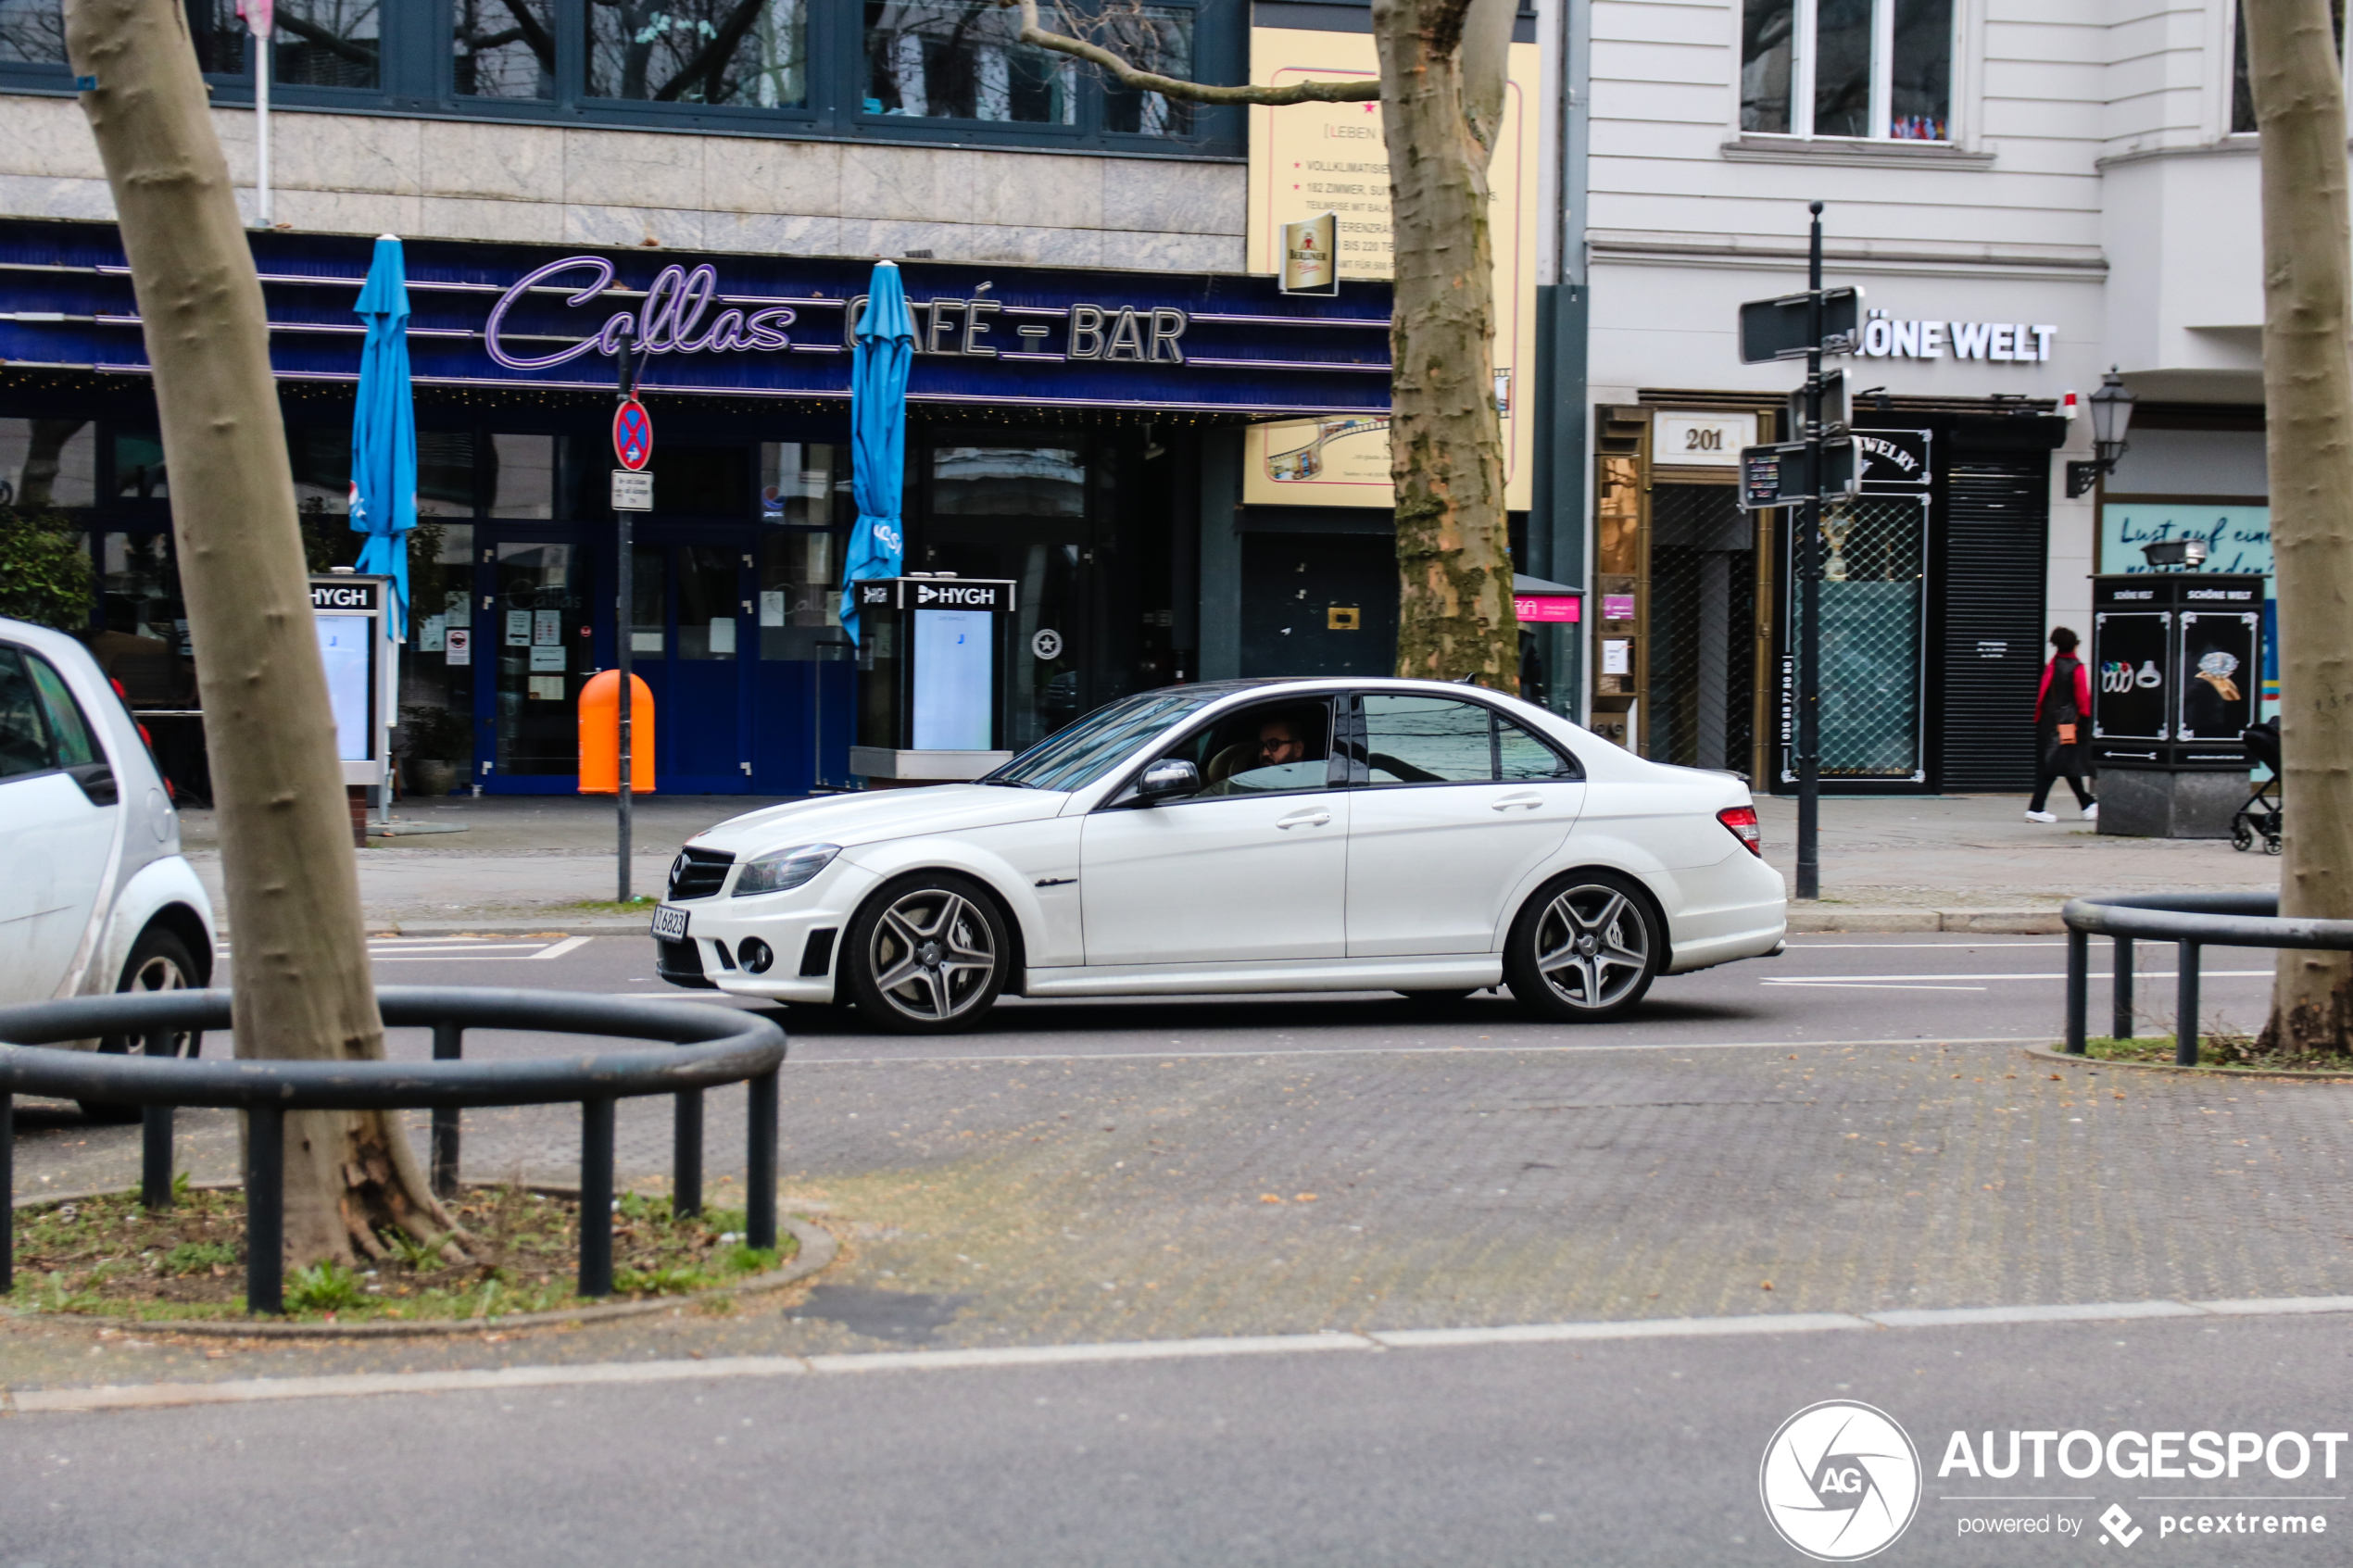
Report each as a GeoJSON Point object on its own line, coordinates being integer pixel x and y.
{"type": "Point", "coordinates": [1171, 778]}
{"type": "Point", "coordinates": [97, 782]}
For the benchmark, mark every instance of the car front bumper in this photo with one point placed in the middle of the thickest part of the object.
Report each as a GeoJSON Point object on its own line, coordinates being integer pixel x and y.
{"type": "Point", "coordinates": [802, 929]}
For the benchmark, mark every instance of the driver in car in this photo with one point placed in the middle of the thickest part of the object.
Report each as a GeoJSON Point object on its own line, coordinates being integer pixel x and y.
{"type": "Point", "coordinates": [1279, 741]}
{"type": "Point", "coordinates": [1283, 757]}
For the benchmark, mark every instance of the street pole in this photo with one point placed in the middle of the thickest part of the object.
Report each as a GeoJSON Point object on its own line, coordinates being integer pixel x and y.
{"type": "Point", "coordinates": [625, 579]}
{"type": "Point", "coordinates": [1809, 597]}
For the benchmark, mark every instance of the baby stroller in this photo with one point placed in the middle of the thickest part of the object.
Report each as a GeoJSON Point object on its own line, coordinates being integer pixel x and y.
{"type": "Point", "coordinates": [2261, 813]}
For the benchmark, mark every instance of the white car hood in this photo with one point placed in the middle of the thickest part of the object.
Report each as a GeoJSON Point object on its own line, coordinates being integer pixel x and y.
{"type": "Point", "coordinates": [875, 816]}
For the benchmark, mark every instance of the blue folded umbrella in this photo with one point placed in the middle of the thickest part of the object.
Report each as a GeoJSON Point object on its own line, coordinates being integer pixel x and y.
{"type": "Point", "coordinates": [879, 363]}
{"type": "Point", "coordinates": [384, 429]}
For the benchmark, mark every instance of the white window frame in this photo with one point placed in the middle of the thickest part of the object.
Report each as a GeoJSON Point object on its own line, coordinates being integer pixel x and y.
{"type": "Point", "coordinates": [1804, 15]}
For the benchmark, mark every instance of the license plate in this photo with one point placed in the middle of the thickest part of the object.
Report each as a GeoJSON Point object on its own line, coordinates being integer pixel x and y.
{"type": "Point", "coordinates": [670, 924]}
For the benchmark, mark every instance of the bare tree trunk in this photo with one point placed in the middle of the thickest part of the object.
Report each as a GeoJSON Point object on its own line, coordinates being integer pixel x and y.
{"type": "Point", "coordinates": [2307, 387]}
{"type": "Point", "coordinates": [1442, 94]}
{"type": "Point", "coordinates": [300, 964]}
{"type": "Point", "coordinates": [1446, 443]}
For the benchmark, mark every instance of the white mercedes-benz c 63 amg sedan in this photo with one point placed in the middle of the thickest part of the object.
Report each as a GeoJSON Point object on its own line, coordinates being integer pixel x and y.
{"type": "Point", "coordinates": [1241, 836]}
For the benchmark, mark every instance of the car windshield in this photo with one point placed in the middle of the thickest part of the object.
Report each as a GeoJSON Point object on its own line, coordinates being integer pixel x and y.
{"type": "Point", "coordinates": [1074, 757]}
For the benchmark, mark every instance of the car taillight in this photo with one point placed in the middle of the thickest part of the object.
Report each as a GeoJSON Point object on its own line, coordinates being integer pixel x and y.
{"type": "Point", "coordinates": [1742, 820]}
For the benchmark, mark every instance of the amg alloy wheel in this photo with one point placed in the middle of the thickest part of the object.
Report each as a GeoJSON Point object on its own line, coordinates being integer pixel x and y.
{"type": "Point", "coordinates": [1583, 949]}
{"type": "Point", "coordinates": [927, 955]}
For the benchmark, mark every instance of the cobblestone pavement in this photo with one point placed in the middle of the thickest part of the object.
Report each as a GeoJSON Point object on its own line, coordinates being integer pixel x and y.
{"type": "Point", "coordinates": [1002, 1200]}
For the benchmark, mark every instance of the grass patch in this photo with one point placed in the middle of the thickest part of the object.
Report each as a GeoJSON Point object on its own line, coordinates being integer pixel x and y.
{"type": "Point", "coordinates": [2222, 1050]}
{"type": "Point", "coordinates": [641, 904]}
{"type": "Point", "coordinates": [109, 1257]}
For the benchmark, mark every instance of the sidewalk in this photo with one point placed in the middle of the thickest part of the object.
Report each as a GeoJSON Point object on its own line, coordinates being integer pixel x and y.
{"type": "Point", "coordinates": [1974, 862]}
{"type": "Point", "coordinates": [1968, 863]}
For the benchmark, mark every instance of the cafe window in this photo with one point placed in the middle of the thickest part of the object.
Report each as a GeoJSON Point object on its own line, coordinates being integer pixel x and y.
{"type": "Point", "coordinates": [138, 467]}
{"type": "Point", "coordinates": [700, 481]}
{"type": "Point", "coordinates": [806, 485]}
{"type": "Point", "coordinates": [445, 470]}
{"type": "Point", "coordinates": [1031, 481]}
{"type": "Point", "coordinates": [1870, 69]}
{"type": "Point", "coordinates": [521, 475]}
{"type": "Point", "coordinates": [47, 463]}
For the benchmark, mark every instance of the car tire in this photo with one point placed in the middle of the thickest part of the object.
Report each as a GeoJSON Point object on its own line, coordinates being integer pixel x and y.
{"type": "Point", "coordinates": [1584, 949]}
{"type": "Point", "coordinates": [927, 955]}
{"type": "Point", "coordinates": [160, 960]}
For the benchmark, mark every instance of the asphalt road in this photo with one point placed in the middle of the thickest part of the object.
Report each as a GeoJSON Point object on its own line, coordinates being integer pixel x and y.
{"type": "Point", "coordinates": [1830, 988]}
{"type": "Point", "coordinates": [1636, 1453]}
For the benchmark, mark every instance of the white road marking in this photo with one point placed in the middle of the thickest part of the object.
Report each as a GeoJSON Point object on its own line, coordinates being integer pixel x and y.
{"type": "Point", "coordinates": [345, 1386]}
{"type": "Point", "coordinates": [1883, 979]}
{"type": "Point", "coordinates": [1870, 986]}
{"type": "Point", "coordinates": [570, 944]}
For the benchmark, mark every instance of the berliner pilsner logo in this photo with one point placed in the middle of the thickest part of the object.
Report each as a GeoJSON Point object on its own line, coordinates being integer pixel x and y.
{"type": "Point", "coordinates": [1840, 1481]}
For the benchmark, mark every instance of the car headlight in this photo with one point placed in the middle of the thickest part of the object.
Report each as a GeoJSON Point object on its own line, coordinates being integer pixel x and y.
{"type": "Point", "coordinates": [782, 869]}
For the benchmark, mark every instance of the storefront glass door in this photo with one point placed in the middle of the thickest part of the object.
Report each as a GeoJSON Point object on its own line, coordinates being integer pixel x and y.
{"type": "Point", "coordinates": [541, 645]}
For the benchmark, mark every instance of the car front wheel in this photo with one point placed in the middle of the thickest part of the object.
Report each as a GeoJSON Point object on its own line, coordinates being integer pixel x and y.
{"type": "Point", "coordinates": [160, 960]}
{"type": "Point", "coordinates": [928, 955]}
{"type": "Point", "coordinates": [1584, 948]}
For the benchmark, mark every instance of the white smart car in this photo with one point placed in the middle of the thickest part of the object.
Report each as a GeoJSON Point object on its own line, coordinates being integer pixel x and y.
{"type": "Point", "coordinates": [1241, 836]}
{"type": "Point", "coordinates": [94, 894]}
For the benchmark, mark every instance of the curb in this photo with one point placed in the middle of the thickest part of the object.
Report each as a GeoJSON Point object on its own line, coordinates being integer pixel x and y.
{"type": "Point", "coordinates": [2283, 1074]}
{"type": "Point", "coordinates": [1889, 920]}
{"type": "Point", "coordinates": [817, 1249]}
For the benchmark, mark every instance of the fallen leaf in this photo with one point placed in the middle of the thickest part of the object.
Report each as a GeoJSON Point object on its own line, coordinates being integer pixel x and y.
{"type": "Point", "coordinates": [1268, 1197]}
{"type": "Point", "coordinates": [1310, 1198]}
{"type": "Point", "coordinates": [1765, 1284]}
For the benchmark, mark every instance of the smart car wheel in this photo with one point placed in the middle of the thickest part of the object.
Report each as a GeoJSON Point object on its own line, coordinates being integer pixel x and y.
{"type": "Point", "coordinates": [927, 955]}
{"type": "Point", "coordinates": [1583, 949]}
{"type": "Point", "coordinates": [160, 960]}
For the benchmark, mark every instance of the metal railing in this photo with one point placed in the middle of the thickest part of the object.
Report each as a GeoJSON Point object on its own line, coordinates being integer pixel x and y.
{"type": "Point", "coordinates": [2191, 923]}
{"type": "Point", "coordinates": [707, 1047]}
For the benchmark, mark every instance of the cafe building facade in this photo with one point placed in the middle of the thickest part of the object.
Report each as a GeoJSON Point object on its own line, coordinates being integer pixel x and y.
{"type": "Point", "coordinates": [1095, 343]}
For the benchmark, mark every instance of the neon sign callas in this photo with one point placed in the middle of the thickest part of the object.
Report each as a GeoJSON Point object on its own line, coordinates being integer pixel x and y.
{"type": "Point", "coordinates": [668, 320]}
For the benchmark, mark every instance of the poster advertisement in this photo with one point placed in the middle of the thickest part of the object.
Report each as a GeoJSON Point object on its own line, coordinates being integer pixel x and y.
{"type": "Point", "coordinates": [343, 647]}
{"type": "Point", "coordinates": [2238, 538]}
{"type": "Point", "coordinates": [1310, 160]}
{"type": "Point", "coordinates": [2128, 675]}
{"type": "Point", "coordinates": [2218, 655]}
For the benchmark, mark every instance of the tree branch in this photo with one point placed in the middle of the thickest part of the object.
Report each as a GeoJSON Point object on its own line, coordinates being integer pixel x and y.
{"type": "Point", "coordinates": [1367, 90]}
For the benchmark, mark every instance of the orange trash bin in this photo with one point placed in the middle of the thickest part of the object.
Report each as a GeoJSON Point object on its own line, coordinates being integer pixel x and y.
{"type": "Point", "coordinates": [600, 735]}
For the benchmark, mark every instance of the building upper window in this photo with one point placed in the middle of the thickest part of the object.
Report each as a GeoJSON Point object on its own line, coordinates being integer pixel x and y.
{"type": "Point", "coordinates": [1873, 70]}
{"type": "Point", "coordinates": [503, 49]}
{"type": "Point", "coordinates": [328, 44]}
{"type": "Point", "coordinates": [2242, 93]}
{"type": "Point", "coordinates": [746, 52]}
{"type": "Point", "coordinates": [888, 70]}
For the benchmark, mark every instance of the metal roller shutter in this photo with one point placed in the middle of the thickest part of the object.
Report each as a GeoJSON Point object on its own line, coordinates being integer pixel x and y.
{"type": "Point", "coordinates": [1997, 522]}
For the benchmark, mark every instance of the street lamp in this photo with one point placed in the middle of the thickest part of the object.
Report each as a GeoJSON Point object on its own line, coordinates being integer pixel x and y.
{"type": "Point", "coordinates": [2111, 416]}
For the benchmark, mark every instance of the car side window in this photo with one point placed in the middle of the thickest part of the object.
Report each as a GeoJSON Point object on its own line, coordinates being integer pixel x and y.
{"type": "Point", "coordinates": [24, 733]}
{"type": "Point", "coordinates": [1263, 749]}
{"type": "Point", "coordinates": [70, 741]}
{"type": "Point", "coordinates": [1422, 740]}
{"type": "Point", "coordinates": [1521, 758]}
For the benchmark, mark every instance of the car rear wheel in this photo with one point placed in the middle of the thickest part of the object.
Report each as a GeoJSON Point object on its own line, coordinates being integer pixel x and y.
{"type": "Point", "coordinates": [160, 960]}
{"type": "Point", "coordinates": [1584, 949]}
{"type": "Point", "coordinates": [928, 955]}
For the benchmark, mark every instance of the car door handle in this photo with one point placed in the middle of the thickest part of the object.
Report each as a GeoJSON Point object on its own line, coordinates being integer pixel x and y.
{"type": "Point", "coordinates": [1312, 819]}
{"type": "Point", "coordinates": [1509, 801]}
